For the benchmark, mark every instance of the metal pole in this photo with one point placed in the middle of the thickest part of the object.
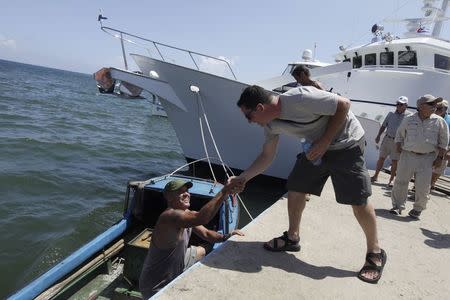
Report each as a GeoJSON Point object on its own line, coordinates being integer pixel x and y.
{"type": "Point", "coordinates": [438, 26]}
{"type": "Point", "coordinates": [123, 52]}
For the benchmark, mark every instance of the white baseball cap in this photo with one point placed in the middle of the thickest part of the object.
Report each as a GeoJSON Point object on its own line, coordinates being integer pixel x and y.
{"type": "Point", "coordinates": [402, 99]}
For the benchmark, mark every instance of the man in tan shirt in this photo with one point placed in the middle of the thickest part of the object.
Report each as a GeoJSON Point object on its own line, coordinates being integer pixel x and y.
{"type": "Point", "coordinates": [419, 137]}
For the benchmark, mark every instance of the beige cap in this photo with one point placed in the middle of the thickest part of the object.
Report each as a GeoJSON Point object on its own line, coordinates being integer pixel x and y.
{"type": "Point", "coordinates": [428, 99]}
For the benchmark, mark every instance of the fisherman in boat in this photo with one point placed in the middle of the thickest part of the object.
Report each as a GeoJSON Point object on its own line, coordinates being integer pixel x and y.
{"type": "Point", "coordinates": [419, 137]}
{"type": "Point", "coordinates": [169, 254]}
{"type": "Point", "coordinates": [388, 147]}
{"type": "Point", "coordinates": [337, 138]}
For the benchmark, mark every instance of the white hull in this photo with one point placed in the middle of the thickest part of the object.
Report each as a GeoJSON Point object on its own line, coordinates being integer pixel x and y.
{"type": "Point", "coordinates": [238, 141]}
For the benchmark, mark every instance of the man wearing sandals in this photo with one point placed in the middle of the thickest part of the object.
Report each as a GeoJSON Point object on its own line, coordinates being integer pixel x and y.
{"type": "Point", "coordinates": [338, 139]}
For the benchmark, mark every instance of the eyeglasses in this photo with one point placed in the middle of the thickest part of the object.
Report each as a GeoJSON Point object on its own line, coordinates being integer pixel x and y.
{"type": "Point", "coordinates": [432, 104]}
{"type": "Point", "coordinates": [248, 115]}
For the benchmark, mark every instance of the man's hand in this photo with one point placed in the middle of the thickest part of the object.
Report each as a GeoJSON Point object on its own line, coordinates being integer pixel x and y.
{"type": "Point", "coordinates": [234, 185]}
{"type": "Point", "coordinates": [237, 232]}
{"type": "Point", "coordinates": [377, 139]}
{"type": "Point", "coordinates": [399, 147]}
{"type": "Point", "coordinates": [318, 149]}
{"type": "Point", "coordinates": [437, 162]}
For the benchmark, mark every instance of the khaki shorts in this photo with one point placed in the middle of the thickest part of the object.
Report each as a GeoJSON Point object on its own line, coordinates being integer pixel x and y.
{"type": "Point", "coordinates": [190, 257]}
{"type": "Point", "coordinates": [388, 148]}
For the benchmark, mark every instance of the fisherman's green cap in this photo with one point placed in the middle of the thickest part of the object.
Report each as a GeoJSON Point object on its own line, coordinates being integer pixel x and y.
{"type": "Point", "coordinates": [176, 184]}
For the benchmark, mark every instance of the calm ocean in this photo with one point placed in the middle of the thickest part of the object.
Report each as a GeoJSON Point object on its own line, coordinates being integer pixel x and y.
{"type": "Point", "coordinates": [66, 154]}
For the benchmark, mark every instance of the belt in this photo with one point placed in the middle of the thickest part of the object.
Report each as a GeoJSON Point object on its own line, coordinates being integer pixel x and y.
{"type": "Point", "coordinates": [418, 153]}
{"type": "Point", "coordinates": [390, 137]}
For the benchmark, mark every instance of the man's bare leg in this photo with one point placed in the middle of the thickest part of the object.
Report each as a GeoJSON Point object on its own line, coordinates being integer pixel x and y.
{"type": "Point", "coordinates": [380, 163]}
{"type": "Point", "coordinates": [393, 171]}
{"type": "Point", "coordinates": [365, 214]}
{"type": "Point", "coordinates": [296, 205]}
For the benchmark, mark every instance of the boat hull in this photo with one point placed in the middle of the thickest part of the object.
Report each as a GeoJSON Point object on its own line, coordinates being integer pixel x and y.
{"type": "Point", "coordinates": [238, 142]}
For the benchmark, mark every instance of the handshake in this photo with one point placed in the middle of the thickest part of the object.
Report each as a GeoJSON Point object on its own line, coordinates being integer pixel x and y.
{"type": "Point", "coordinates": [234, 185]}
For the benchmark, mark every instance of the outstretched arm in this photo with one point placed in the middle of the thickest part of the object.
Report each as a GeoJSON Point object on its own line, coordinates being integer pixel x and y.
{"type": "Point", "coordinates": [262, 162]}
{"type": "Point", "coordinates": [187, 218]}
{"type": "Point", "coordinates": [213, 236]}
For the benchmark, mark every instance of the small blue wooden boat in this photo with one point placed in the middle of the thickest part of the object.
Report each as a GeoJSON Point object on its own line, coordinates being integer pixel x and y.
{"type": "Point", "coordinates": [108, 267]}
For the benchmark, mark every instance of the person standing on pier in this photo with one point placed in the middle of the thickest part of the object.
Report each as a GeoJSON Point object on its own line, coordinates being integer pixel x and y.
{"type": "Point", "coordinates": [419, 137]}
{"type": "Point", "coordinates": [338, 140]}
{"type": "Point", "coordinates": [388, 147]}
{"type": "Point", "coordinates": [441, 110]}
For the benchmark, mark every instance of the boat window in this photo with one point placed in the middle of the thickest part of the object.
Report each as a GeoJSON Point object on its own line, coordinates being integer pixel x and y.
{"type": "Point", "coordinates": [387, 58]}
{"type": "Point", "coordinates": [407, 58]}
{"type": "Point", "coordinates": [441, 62]}
{"type": "Point", "coordinates": [357, 62]}
{"type": "Point", "coordinates": [370, 59]}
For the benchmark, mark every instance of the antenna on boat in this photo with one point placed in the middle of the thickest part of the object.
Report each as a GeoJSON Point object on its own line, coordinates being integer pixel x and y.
{"type": "Point", "coordinates": [438, 14]}
{"type": "Point", "coordinates": [101, 17]}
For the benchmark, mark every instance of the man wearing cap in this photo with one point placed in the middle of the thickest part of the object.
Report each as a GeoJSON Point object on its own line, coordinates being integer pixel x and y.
{"type": "Point", "coordinates": [388, 147]}
{"type": "Point", "coordinates": [169, 254]}
{"type": "Point", "coordinates": [441, 110]}
{"type": "Point", "coordinates": [419, 137]}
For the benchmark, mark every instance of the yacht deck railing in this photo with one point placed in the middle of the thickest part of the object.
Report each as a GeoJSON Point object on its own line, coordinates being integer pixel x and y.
{"type": "Point", "coordinates": [125, 36]}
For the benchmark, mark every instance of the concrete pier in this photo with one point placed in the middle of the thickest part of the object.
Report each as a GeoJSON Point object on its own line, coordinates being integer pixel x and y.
{"type": "Point", "coordinates": [333, 251]}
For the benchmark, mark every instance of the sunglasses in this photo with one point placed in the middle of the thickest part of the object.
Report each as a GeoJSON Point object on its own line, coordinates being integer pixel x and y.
{"type": "Point", "coordinates": [432, 104]}
{"type": "Point", "coordinates": [400, 104]}
{"type": "Point", "coordinates": [248, 115]}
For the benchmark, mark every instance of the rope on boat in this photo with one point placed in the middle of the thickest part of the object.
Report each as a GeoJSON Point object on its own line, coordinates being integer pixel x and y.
{"type": "Point", "coordinates": [206, 148]}
{"type": "Point", "coordinates": [196, 90]}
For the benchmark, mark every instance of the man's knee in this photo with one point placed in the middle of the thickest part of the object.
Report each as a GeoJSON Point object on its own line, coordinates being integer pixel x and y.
{"type": "Point", "coordinates": [296, 196]}
{"type": "Point", "coordinates": [201, 252]}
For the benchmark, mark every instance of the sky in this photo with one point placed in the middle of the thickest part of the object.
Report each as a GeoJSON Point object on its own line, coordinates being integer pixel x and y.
{"type": "Point", "coordinates": [258, 37]}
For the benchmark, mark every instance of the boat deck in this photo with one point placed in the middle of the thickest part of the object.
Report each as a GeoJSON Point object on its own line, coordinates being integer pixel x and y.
{"type": "Point", "coordinates": [332, 252]}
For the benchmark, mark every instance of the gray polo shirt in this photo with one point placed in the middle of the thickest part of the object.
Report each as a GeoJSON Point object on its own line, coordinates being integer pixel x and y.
{"type": "Point", "coordinates": [422, 136]}
{"type": "Point", "coordinates": [392, 122]}
{"type": "Point", "coordinates": [305, 112]}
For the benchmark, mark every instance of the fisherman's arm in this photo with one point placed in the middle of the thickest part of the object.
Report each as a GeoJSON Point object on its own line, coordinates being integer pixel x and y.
{"type": "Point", "coordinates": [188, 218]}
{"type": "Point", "coordinates": [214, 236]}
{"type": "Point", "coordinates": [335, 124]}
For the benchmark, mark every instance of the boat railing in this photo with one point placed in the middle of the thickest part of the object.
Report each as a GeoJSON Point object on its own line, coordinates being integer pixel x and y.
{"type": "Point", "coordinates": [399, 68]}
{"type": "Point", "coordinates": [128, 37]}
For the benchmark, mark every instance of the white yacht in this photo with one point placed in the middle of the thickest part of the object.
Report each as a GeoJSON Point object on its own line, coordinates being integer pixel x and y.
{"type": "Point", "coordinates": [372, 76]}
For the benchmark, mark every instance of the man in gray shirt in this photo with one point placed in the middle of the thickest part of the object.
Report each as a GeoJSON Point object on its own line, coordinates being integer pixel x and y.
{"type": "Point", "coordinates": [388, 147]}
{"type": "Point", "coordinates": [325, 120]}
